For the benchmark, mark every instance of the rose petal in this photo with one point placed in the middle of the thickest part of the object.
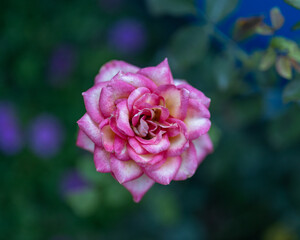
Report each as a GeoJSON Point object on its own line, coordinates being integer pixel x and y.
{"type": "Point", "coordinates": [108, 137]}
{"type": "Point", "coordinates": [160, 113]}
{"type": "Point", "coordinates": [203, 146]}
{"type": "Point", "coordinates": [189, 163]}
{"type": "Point", "coordinates": [136, 80]}
{"type": "Point", "coordinates": [120, 147]}
{"type": "Point", "coordinates": [122, 117]}
{"type": "Point", "coordinates": [142, 129]}
{"type": "Point", "coordinates": [102, 160]}
{"type": "Point", "coordinates": [113, 91]}
{"type": "Point", "coordinates": [165, 174]}
{"type": "Point", "coordinates": [151, 141]}
{"type": "Point", "coordinates": [90, 128]}
{"type": "Point", "coordinates": [85, 142]}
{"type": "Point", "coordinates": [110, 69]}
{"type": "Point", "coordinates": [146, 112]}
{"type": "Point", "coordinates": [195, 93]}
{"type": "Point", "coordinates": [143, 159]}
{"type": "Point", "coordinates": [91, 101]}
{"type": "Point", "coordinates": [161, 74]}
{"type": "Point", "coordinates": [136, 145]}
{"type": "Point", "coordinates": [148, 100]}
{"type": "Point", "coordinates": [177, 137]}
{"type": "Point", "coordinates": [160, 146]}
{"type": "Point", "coordinates": [139, 187]}
{"type": "Point", "coordinates": [197, 119]}
{"type": "Point", "coordinates": [125, 171]}
{"type": "Point", "coordinates": [134, 95]}
{"type": "Point", "coordinates": [177, 145]}
{"type": "Point", "coordinates": [176, 100]}
{"type": "Point", "coordinates": [114, 127]}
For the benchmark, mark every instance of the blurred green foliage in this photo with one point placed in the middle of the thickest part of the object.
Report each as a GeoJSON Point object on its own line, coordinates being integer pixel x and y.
{"type": "Point", "coordinates": [294, 3]}
{"type": "Point", "coordinates": [247, 189]}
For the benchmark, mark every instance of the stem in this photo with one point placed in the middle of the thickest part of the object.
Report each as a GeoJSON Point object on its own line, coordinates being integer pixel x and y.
{"type": "Point", "coordinates": [240, 53]}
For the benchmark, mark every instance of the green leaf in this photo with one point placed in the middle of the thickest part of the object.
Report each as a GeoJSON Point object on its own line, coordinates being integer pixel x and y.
{"type": "Point", "coordinates": [284, 68]}
{"type": "Point", "coordinates": [264, 29]}
{"type": "Point", "coordinates": [188, 45]}
{"type": "Point", "coordinates": [286, 45]}
{"type": "Point", "coordinates": [295, 65]}
{"type": "Point", "coordinates": [268, 59]}
{"type": "Point", "coordinates": [277, 18]}
{"type": "Point", "coordinates": [217, 10]}
{"type": "Point", "coordinates": [172, 7]}
{"type": "Point", "coordinates": [293, 3]}
{"type": "Point", "coordinates": [283, 44]}
{"type": "Point", "coordinates": [292, 91]}
{"type": "Point", "coordinates": [245, 27]}
{"type": "Point", "coordinates": [295, 55]}
{"type": "Point", "coordinates": [296, 26]}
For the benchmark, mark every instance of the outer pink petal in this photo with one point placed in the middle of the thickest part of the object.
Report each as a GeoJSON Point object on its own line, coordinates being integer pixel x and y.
{"type": "Point", "coordinates": [189, 163]}
{"type": "Point", "coordinates": [165, 174]}
{"type": "Point", "coordinates": [135, 95]}
{"type": "Point", "coordinates": [102, 160]}
{"type": "Point", "coordinates": [122, 117]}
{"type": "Point", "coordinates": [197, 119]}
{"type": "Point", "coordinates": [194, 93]}
{"type": "Point", "coordinates": [113, 91]}
{"type": "Point", "coordinates": [136, 80]}
{"type": "Point", "coordinates": [125, 171]}
{"type": "Point", "coordinates": [176, 100]}
{"type": "Point", "coordinates": [90, 128]}
{"type": "Point", "coordinates": [203, 146]}
{"type": "Point", "coordinates": [110, 69]}
{"type": "Point", "coordinates": [161, 146]}
{"type": "Point", "coordinates": [91, 101]}
{"type": "Point", "coordinates": [120, 147]}
{"type": "Point", "coordinates": [139, 187]}
{"type": "Point", "coordinates": [108, 136]}
{"type": "Point", "coordinates": [85, 142]}
{"type": "Point", "coordinates": [161, 74]}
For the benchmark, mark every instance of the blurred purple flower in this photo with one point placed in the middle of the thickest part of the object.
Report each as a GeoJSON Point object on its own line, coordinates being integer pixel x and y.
{"type": "Point", "coordinates": [10, 132]}
{"type": "Point", "coordinates": [127, 36]}
{"type": "Point", "coordinates": [46, 136]}
{"type": "Point", "coordinates": [61, 64]}
{"type": "Point", "coordinates": [72, 182]}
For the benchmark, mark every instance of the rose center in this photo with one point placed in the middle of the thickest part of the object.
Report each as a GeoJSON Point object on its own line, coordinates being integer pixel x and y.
{"type": "Point", "coordinates": [146, 123]}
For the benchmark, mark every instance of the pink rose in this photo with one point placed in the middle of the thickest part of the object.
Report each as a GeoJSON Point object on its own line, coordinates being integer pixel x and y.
{"type": "Point", "coordinates": [143, 126]}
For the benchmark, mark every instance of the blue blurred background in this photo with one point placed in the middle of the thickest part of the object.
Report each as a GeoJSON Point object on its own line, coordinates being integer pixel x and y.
{"type": "Point", "coordinates": [50, 53]}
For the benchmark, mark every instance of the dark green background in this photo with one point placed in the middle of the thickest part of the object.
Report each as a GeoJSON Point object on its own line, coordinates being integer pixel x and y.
{"type": "Point", "coordinates": [249, 188]}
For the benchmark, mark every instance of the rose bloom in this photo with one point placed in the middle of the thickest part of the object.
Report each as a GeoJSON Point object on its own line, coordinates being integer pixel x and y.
{"type": "Point", "coordinates": [143, 126]}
